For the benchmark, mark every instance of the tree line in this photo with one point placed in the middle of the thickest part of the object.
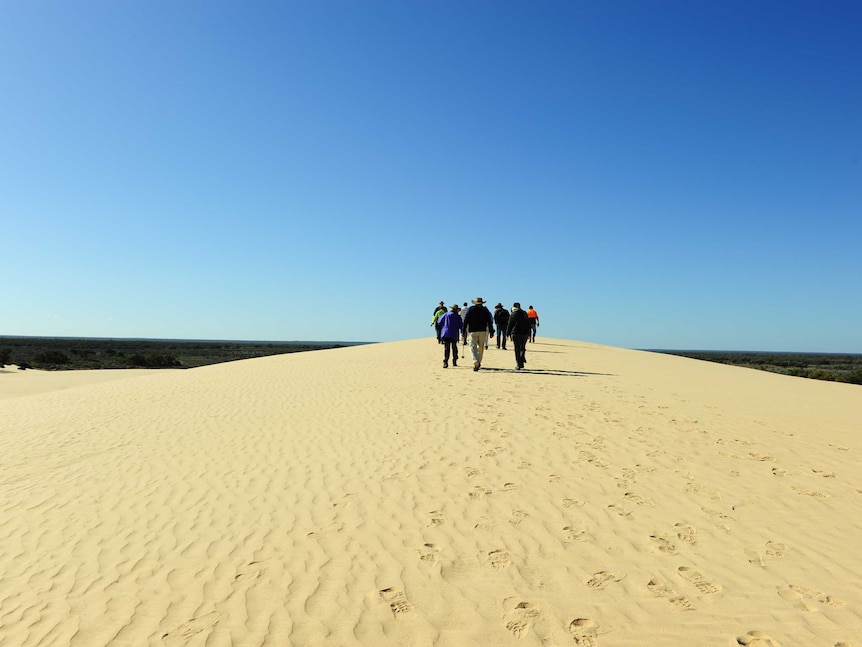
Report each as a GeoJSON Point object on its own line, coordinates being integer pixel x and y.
{"type": "Point", "coordinates": [51, 353]}
{"type": "Point", "coordinates": [833, 367]}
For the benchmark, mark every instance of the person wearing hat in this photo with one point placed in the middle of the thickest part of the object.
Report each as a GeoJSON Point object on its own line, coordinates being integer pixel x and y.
{"type": "Point", "coordinates": [519, 330]}
{"type": "Point", "coordinates": [450, 332]}
{"type": "Point", "coordinates": [501, 320]}
{"type": "Point", "coordinates": [478, 323]}
{"type": "Point", "coordinates": [439, 311]}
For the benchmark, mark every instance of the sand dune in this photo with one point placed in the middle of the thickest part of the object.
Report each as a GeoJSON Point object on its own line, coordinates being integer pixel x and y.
{"type": "Point", "coordinates": [366, 496]}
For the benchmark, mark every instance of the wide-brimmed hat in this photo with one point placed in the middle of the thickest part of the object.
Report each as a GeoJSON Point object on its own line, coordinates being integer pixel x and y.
{"type": "Point", "coordinates": [479, 301]}
{"type": "Point", "coordinates": [499, 305]}
{"type": "Point", "coordinates": [455, 306]}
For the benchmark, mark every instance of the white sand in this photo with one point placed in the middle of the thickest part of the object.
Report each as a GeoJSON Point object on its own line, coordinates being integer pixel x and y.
{"type": "Point", "coordinates": [366, 496]}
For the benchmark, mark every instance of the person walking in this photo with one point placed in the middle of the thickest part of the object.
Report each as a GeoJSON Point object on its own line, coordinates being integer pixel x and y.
{"type": "Point", "coordinates": [501, 320]}
{"type": "Point", "coordinates": [463, 314]}
{"type": "Point", "coordinates": [477, 324]}
{"type": "Point", "coordinates": [519, 329]}
{"type": "Point", "coordinates": [435, 322]}
{"type": "Point", "coordinates": [533, 316]}
{"type": "Point", "coordinates": [450, 327]}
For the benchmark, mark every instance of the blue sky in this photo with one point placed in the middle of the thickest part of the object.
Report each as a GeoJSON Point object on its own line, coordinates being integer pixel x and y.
{"type": "Point", "coordinates": [668, 174]}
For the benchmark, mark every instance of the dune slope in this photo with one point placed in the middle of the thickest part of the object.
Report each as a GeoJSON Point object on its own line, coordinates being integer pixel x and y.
{"type": "Point", "coordinates": [367, 496]}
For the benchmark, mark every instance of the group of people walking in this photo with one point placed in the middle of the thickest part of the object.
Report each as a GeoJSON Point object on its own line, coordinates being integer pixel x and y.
{"type": "Point", "coordinates": [476, 325]}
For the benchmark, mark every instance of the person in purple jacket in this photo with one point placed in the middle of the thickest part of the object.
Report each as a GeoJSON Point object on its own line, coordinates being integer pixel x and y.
{"type": "Point", "coordinates": [450, 332]}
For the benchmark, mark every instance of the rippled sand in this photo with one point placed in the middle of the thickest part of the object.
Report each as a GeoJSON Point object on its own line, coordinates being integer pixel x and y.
{"type": "Point", "coordinates": [367, 496]}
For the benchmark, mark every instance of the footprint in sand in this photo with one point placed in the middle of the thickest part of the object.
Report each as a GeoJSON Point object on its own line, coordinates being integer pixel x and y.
{"type": "Point", "coordinates": [662, 544]}
{"type": "Point", "coordinates": [518, 516]}
{"type": "Point", "coordinates": [601, 579]}
{"type": "Point", "coordinates": [511, 487]}
{"type": "Point", "coordinates": [718, 518]}
{"type": "Point", "coordinates": [182, 634]}
{"type": "Point", "coordinates": [820, 596]}
{"type": "Point", "coordinates": [754, 558]}
{"type": "Point", "coordinates": [478, 492]}
{"type": "Point", "coordinates": [696, 578]}
{"type": "Point", "coordinates": [485, 523]}
{"type": "Point", "coordinates": [553, 478]}
{"type": "Point", "coordinates": [573, 534]}
{"type": "Point", "coordinates": [573, 503]}
{"type": "Point", "coordinates": [757, 639]}
{"type": "Point", "coordinates": [682, 603]}
{"type": "Point", "coordinates": [499, 559]}
{"type": "Point", "coordinates": [437, 518]}
{"type": "Point", "coordinates": [618, 509]}
{"type": "Point", "coordinates": [585, 632]}
{"type": "Point", "coordinates": [685, 532]}
{"type": "Point", "coordinates": [794, 598]}
{"type": "Point", "coordinates": [639, 500]}
{"type": "Point", "coordinates": [397, 600]}
{"type": "Point", "coordinates": [429, 553]}
{"type": "Point", "coordinates": [824, 474]}
{"type": "Point", "coordinates": [660, 589]}
{"type": "Point", "coordinates": [775, 549]}
{"type": "Point", "coordinates": [521, 618]}
{"type": "Point", "coordinates": [809, 492]}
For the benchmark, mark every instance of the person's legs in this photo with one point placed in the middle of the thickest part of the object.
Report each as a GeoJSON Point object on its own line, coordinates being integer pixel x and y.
{"type": "Point", "coordinates": [482, 343]}
{"type": "Point", "coordinates": [520, 343]}
{"type": "Point", "coordinates": [474, 347]}
{"type": "Point", "coordinates": [532, 331]}
{"type": "Point", "coordinates": [447, 345]}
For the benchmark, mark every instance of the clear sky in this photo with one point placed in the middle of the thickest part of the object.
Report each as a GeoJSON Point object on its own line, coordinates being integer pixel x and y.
{"type": "Point", "coordinates": [648, 174]}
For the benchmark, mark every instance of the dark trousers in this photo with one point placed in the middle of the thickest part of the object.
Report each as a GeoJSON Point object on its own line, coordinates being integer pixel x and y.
{"type": "Point", "coordinates": [501, 338]}
{"type": "Point", "coordinates": [450, 345]}
{"type": "Point", "coordinates": [520, 343]}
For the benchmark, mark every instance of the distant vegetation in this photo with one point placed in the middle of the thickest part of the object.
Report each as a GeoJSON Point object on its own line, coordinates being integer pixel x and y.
{"type": "Point", "coordinates": [817, 366]}
{"type": "Point", "coordinates": [57, 353]}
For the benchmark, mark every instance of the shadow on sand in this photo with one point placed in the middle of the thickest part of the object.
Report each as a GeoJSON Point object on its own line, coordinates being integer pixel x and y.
{"type": "Point", "coordinates": [544, 371]}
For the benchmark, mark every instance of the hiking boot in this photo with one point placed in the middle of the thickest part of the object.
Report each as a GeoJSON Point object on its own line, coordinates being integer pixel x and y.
{"type": "Point", "coordinates": [476, 366]}
{"type": "Point", "coordinates": [445, 364]}
{"type": "Point", "coordinates": [454, 362]}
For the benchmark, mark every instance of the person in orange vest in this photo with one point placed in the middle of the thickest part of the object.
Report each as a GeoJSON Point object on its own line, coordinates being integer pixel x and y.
{"type": "Point", "coordinates": [534, 322]}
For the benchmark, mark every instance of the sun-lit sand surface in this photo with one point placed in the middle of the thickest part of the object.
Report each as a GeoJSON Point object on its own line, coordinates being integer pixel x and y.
{"type": "Point", "coordinates": [43, 381]}
{"type": "Point", "coordinates": [367, 496]}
